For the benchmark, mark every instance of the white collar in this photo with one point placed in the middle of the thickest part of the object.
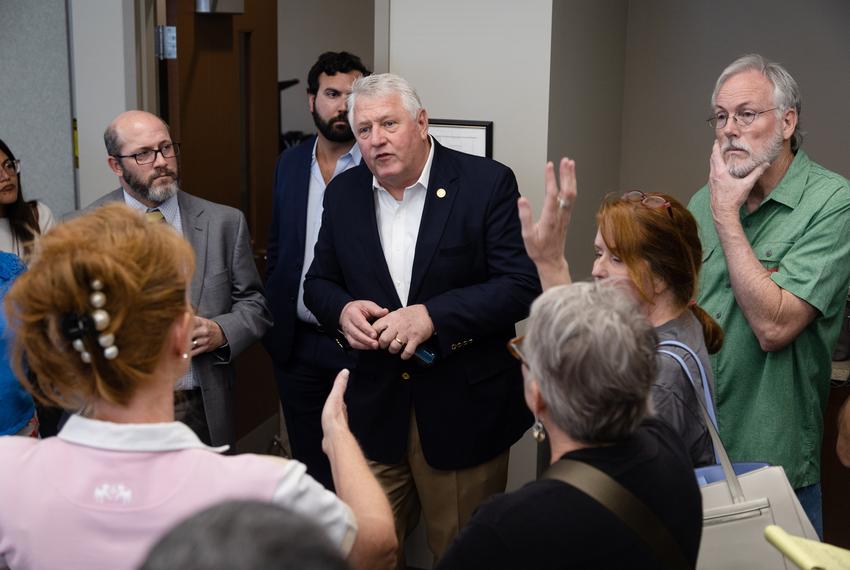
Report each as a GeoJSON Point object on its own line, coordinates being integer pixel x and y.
{"type": "Point", "coordinates": [353, 153]}
{"type": "Point", "coordinates": [168, 208]}
{"type": "Point", "coordinates": [166, 436]}
{"type": "Point", "coordinates": [424, 176]}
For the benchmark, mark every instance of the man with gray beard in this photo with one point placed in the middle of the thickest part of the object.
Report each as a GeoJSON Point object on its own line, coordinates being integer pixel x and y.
{"type": "Point", "coordinates": [230, 309]}
{"type": "Point", "coordinates": [775, 230]}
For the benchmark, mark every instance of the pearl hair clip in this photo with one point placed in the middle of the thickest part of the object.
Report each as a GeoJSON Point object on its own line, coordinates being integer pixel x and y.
{"type": "Point", "coordinates": [76, 326]}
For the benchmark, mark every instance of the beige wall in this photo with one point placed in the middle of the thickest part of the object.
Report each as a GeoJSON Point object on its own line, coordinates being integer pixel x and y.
{"type": "Point", "coordinates": [103, 55]}
{"type": "Point", "coordinates": [585, 109]}
{"type": "Point", "coordinates": [676, 50]}
{"type": "Point", "coordinates": [306, 30]}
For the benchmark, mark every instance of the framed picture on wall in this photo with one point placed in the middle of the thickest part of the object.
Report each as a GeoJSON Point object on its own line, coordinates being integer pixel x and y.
{"type": "Point", "coordinates": [472, 137]}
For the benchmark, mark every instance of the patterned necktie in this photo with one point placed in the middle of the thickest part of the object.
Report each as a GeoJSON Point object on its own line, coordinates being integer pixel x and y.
{"type": "Point", "coordinates": [154, 216]}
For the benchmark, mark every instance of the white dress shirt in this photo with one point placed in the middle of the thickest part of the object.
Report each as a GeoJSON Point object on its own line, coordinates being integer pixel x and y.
{"type": "Point", "coordinates": [315, 197]}
{"type": "Point", "coordinates": [398, 226]}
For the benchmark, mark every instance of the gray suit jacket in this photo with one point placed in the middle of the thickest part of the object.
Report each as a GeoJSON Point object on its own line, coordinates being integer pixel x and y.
{"type": "Point", "coordinates": [225, 288]}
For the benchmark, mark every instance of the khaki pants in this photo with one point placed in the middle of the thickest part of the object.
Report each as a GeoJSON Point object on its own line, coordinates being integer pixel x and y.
{"type": "Point", "coordinates": [447, 499]}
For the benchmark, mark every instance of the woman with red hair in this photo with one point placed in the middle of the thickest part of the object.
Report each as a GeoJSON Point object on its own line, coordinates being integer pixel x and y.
{"type": "Point", "coordinates": [650, 241]}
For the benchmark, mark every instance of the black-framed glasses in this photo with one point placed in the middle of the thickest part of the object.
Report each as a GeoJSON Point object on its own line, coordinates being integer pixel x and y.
{"type": "Point", "coordinates": [746, 117]}
{"type": "Point", "coordinates": [515, 348]}
{"type": "Point", "coordinates": [11, 167]}
{"type": "Point", "coordinates": [168, 150]}
{"type": "Point", "coordinates": [648, 200]}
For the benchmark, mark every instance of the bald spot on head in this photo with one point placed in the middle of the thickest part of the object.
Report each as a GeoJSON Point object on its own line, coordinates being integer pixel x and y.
{"type": "Point", "coordinates": [133, 129]}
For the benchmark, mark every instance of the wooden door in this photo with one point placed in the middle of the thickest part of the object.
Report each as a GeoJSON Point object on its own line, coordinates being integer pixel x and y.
{"type": "Point", "coordinates": [220, 97]}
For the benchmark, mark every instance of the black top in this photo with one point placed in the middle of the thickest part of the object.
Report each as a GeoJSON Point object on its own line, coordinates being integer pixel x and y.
{"type": "Point", "coordinates": [550, 525]}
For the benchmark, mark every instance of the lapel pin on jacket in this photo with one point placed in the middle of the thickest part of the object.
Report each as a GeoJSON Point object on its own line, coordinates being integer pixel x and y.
{"type": "Point", "coordinates": [441, 192]}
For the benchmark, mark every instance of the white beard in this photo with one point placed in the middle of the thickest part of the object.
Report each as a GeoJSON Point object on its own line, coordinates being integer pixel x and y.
{"type": "Point", "coordinates": [741, 167]}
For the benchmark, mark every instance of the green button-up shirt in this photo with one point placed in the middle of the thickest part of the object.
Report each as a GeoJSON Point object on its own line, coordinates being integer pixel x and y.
{"type": "Point", "coordinates": [770, 405]}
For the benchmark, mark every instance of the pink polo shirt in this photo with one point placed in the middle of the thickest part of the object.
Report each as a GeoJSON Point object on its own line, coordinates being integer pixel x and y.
{"type": "Point", "coordinates": [100, 494]}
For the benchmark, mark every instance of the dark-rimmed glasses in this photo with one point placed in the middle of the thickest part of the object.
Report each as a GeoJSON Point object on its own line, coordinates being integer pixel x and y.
{"type": "Point", "coordinates": [169, 150]}
{"type": "Point", "coordinates": [745, 118]}
{"type": "Point", "coordinates": [12, 167]}
{"type": "Point", "coordinates": [515, 348]}
{"type": "Point", "coordinates": [647, 200]}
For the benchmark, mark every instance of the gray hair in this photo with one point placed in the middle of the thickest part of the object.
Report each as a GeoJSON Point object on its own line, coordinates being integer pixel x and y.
{"type": "Point", "coordinates": [250, 535]}
{"type": "Point", "coordinates": [384, 85]}
{"type": "Point", "coordinates": [592, 352]}
{"type": "Point", "coordinates": [786, 92]}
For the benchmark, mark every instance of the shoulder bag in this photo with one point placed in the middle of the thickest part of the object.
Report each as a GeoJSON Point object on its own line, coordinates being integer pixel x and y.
{"type": "Point", "coordinates": [739, 501]}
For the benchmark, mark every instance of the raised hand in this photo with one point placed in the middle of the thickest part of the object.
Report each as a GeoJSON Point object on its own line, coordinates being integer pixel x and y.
{"type": "Point", "coordinates": [545, 239]}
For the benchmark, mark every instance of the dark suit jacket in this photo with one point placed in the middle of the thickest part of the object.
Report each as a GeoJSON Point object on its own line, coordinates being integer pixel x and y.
{"type": "Point", "coordinates": [225, 288]}
{"type": "Point", "coordinates": [286, 246]}
{"type": "Point", "coordinates": [472, 273]}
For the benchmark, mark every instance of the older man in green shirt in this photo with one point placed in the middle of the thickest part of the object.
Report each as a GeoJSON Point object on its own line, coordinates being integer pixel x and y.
{"type": "Point", "coordinates": [775, 229]}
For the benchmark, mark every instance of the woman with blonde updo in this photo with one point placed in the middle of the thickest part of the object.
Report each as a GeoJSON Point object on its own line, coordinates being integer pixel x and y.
{"type": "Point", "coordinates": [103, 321]}
{"type": "Point", "coordinates": [650, 241]}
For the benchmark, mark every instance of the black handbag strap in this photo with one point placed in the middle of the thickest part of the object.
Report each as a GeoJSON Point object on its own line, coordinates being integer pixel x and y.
{"type": "Point", "coordinates": [621, 502]}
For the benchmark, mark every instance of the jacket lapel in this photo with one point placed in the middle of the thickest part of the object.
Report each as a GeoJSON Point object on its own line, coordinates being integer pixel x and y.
{"type": "Point", "coordinates": [442, 190]}
{"type": "Point", "coordinates": [298, 213]}
{"type": "Point", "coordinates": [371, 238]}
{"type": "Point", "coordinates": [195, 225]}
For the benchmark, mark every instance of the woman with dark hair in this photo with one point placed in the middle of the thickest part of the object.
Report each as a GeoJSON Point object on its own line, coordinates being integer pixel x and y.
{"type": "Point", "coordinates": [650, 241]}
{"type": "Point", "coordinates": [20, 221]}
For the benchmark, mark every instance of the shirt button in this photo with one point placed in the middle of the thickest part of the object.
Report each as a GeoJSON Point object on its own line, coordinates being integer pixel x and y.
{"type": "Point", "coordinates": [769, 252]}
{"type": "Point", "coordinates": [405, 376]}
{"type": "Point", "coordinates": [716, 315]}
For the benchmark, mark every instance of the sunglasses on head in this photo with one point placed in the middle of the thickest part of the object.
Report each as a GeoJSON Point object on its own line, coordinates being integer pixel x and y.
{"type": "Point", "coordinates": [648, 201]}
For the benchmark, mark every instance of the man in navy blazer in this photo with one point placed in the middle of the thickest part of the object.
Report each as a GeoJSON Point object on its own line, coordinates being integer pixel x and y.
{"type": "Point", "coordinates": [306, 359]}
{"type": "Point", "coordinates": [420, 249]}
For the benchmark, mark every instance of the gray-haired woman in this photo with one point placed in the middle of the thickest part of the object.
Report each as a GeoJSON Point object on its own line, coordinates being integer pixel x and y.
{"type": "Point", "coordinates": [588, 363]}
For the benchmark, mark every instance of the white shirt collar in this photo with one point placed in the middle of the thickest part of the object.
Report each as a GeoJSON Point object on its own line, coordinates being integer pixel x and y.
{"type": "Point", "coordinates": [424, 176]}
{"type": "Point", "coordinates": [353, 154]}
{"type": "Point", "coordinates": [168, 436]}
{"type": "Point", "coordinates": [170, 208]}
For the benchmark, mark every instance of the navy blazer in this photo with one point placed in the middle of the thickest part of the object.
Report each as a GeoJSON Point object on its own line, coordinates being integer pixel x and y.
{"type": "Point", "coordinates": [472, 273]}
{"type": "Point", "coordinates": [286, 246]}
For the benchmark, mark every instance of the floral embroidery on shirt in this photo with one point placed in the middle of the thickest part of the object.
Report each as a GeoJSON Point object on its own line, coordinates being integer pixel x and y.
{"type": "Point", "coordinates": [113, 493]}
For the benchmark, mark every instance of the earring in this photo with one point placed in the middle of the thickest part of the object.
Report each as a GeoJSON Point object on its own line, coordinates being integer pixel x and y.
{"type": "Point", "coordinates": [185, 356]}
{"type": "Point", "coordinates": [537, 431]}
